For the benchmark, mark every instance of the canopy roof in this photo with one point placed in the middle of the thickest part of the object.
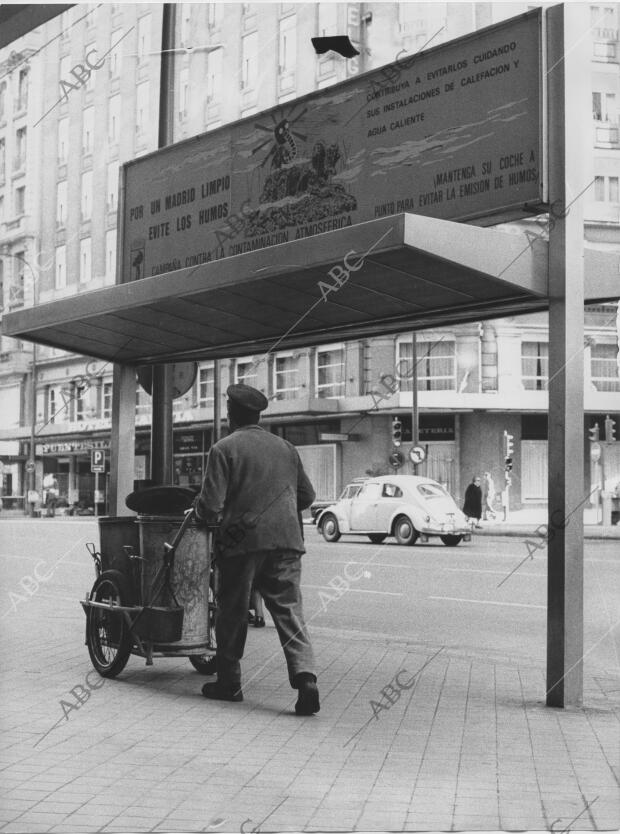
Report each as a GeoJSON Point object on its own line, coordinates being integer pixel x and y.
{"type": "Point", "coordinates": [407, 272]}
{"type": "Point", "coordinates": [17, 20]}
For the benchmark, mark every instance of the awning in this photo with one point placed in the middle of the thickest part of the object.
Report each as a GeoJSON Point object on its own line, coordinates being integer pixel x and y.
{"type": "Point", "coordinates": [404, 272]}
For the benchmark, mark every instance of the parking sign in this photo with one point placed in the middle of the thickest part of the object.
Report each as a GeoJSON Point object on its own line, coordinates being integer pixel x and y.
{"type": "Point", "coordinates": [97, 460]}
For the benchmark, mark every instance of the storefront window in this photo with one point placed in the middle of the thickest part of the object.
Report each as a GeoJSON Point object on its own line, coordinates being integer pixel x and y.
{"type": "Point", "coordinates": [79, 404]}
{"type": "Point", "coordinates": [330, 372]}
{"type": "Point", "coordinates": [51, 405]}
{"type": "Point", "coordinates": [107, 401]}
{"type": "Point", "coordinates": [534, 365]}
{"type": "Point", "coordinates": [143, 401]}
{"type": "Point", "coordinates": [604, 367]}
{"type": "Point", "coordinates": [286, 372]}
{"type": "Point", "coordinates": [245, 372]}
{"type": "Point", "coordinates": [205, 386]}
{"type": "Point", "coordinates": [436, 365]}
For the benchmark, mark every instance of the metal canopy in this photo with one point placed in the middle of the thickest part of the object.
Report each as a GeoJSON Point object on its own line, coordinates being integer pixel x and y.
{"type": "Point", "coordinates": [407, 271]}
{"type": "Point", "coordinates": [17, 20]}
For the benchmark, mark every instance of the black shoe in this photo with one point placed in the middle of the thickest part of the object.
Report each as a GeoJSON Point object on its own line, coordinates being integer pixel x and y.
{"type": "Point", "coordinates": [220, 692]}
{"type": "Point", "coordinates": [308, 700]}
{"type": "Point", "coordinates": [251, 618]}
{"type": "Point", "coordinates": [259, 622]}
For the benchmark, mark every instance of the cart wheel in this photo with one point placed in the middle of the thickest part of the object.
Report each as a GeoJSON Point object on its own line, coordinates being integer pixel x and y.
{"type": "Point", "coordinates": [203, 663]}
{"type": "Point", "coordinates": [107, 635]}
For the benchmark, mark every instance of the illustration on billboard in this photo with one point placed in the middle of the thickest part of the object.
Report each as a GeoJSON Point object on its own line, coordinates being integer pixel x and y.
{"type": "Point", "coordinates": [301, 187]}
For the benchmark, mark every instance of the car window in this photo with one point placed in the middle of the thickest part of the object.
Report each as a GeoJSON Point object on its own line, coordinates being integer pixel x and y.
{"type": "Point", "coordinates": [431, 491]}
{"type": "Point", "coordinates": [369, 492]}
{"type": "Point", "coordinates": [350, 491]}
{"type": "Point", "coordinates": [391, 491]}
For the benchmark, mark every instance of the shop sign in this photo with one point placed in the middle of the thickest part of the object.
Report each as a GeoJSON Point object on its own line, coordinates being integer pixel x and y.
{"type": "Point", "coordinates": [436, 427]}
{"type": "Point", "coordinates": [71, 446]}
{"type": "Point", "coordinates": [188, 443]}
{"type": "Point", "coordinates": [453, 132]}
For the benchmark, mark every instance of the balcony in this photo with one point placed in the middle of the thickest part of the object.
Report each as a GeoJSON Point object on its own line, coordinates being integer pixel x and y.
{"type": "Point", "coordinates": [15, 229]}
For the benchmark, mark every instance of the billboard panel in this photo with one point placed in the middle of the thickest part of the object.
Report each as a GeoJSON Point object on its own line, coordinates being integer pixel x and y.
{"type": "Point", "coordinates": [454, 133]}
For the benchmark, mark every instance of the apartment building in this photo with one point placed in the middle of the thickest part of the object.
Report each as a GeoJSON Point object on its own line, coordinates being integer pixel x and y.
{"type": "Point", "coordinates": [79, 97]}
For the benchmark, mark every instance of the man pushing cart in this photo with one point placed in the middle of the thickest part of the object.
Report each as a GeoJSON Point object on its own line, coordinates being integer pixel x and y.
{"type": "Point", "coordinates": [255, 488]}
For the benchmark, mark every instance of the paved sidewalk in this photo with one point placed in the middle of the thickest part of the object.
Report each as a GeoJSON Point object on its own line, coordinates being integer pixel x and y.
{"type": "Point", "coordinates": [466, 744]}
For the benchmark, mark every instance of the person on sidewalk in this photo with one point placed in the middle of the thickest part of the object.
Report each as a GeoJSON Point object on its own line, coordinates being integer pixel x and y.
{"type": "Point", "coordinates": [473, 502]}
{"type": "Point", "coordinates": [255, 487]}
{"type": "Point", "coordinates": [488, 497]}
{"type": "Point", "coordinates": [50, 485]}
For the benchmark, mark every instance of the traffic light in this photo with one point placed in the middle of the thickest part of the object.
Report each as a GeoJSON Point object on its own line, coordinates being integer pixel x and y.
{"type": "Point", "coordinates": [594, 433]}
{"type": "Point", "coordinates": [396, 459]}
{"type": "Point", "coordinates": [397, 431]}
{"type": "Point", "coordinates": [610, 429]}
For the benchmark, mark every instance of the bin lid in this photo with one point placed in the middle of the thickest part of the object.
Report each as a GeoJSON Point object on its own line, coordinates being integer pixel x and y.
{"type": "Point", "coordinates": [161, 500]}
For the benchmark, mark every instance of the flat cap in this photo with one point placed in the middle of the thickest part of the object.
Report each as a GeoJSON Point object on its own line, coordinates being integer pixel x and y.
{"type": "Point", "coordinates": [247, 397]}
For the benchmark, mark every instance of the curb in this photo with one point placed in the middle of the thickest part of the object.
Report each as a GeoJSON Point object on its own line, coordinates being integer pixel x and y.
{"type": "Point", "coordinates": [525, 530]}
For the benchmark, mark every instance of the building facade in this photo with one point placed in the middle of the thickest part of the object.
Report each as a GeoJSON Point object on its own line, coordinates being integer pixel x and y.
{"type": "Point", "coordinates": [79, 97]}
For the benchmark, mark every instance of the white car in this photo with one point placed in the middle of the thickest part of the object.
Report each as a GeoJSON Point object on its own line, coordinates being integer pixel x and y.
{"type": "Point", "coordinates": [403, 506]}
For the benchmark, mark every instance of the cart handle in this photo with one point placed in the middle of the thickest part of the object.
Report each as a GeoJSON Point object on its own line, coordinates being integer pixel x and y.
{"type": "Point", "coordinates": [170, 549]}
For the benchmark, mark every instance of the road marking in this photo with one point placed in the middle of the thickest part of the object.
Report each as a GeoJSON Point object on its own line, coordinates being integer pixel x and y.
{"type": "Point", "coordinates": [490, 602]}
{"type": "Point", "coordinates": [355, 590]}
{"type": "Point", "coordinates": [500, 572]}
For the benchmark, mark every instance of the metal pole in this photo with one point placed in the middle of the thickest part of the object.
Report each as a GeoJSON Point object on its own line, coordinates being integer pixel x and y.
{"type": "Point", "coordinates": [217, 403]}
{"type": "Point", "coordinates": [415, 428]}
{"type": "Point", "coordinates": [96, 492]}
{"type": "Point", "coordinates": [161, 420]}
{"type": "Point", "coordinates": [568, 99]}
{"type": "Point", "coordinates": [33, 424]}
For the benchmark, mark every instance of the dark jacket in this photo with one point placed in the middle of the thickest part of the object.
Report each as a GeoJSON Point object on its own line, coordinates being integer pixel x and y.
{"type": "Point", "coordinates": [473, 501]}
{"type": "Point", "coordinates": [255, 485]}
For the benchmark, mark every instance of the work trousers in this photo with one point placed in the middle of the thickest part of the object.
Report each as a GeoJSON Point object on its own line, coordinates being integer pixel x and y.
{"type": "Point", "coordinates": [276, 576]}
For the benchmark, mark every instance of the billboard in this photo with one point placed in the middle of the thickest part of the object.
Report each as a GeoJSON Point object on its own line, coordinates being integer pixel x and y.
{"type": "Point", "coordinates": [454, 133]}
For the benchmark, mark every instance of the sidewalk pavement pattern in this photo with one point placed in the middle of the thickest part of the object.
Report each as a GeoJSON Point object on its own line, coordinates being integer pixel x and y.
{"type": "Point", "coordinates": [455, 742]}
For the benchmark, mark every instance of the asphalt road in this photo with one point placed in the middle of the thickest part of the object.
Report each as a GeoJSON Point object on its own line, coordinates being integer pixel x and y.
{"type": "Point", "coordinates": [484, 596]}
{"type": "Point", "coordinates": [464, 597]}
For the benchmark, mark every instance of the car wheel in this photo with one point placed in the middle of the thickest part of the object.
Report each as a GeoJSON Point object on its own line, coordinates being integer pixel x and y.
{"type": "Point", "coordinates": [329, 528]}
{"type": "Point", "coordinates": [404, 531]}
{"type": "Point", "coordinates": [451, 541]}
{"type": "Point", "coordinates": [377, 538]}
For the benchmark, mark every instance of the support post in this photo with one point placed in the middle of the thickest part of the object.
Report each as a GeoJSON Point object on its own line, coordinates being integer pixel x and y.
{"type": "Point", "coordinates": [161, 420]}
{"type": "Point", "coordinates": [567, 78]}
{"type": "Point", "coordinates": [161, 426]}
{"type": "Point", "coordinates": [415, 422]}
{"type": "Point", "coordinates": [123, 441]}
{"type": "Point", "coordinates": [33, 425]}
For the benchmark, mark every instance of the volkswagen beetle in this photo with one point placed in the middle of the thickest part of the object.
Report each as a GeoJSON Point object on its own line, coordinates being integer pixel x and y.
{"type": "Point", "coordinates": [403, 506]}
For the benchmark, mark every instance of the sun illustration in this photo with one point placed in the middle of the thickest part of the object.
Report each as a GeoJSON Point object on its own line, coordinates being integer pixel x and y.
{"type": "Point", "coordinates": [283, 149]}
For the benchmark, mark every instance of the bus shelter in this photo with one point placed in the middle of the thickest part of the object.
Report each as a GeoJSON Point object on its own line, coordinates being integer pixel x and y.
{"type": "Point", "coordinates": [390, 267]}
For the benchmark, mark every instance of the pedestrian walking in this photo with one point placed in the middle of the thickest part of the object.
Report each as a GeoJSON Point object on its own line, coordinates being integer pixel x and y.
{"type": "Point", "coordinates": [473, 502]}
{"type": "Point", "coordinates": [488, 497]}
{"type": "Point", "coordinates": [50, 484]}
{"type": "Point", "coordinates": [255, 487]}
